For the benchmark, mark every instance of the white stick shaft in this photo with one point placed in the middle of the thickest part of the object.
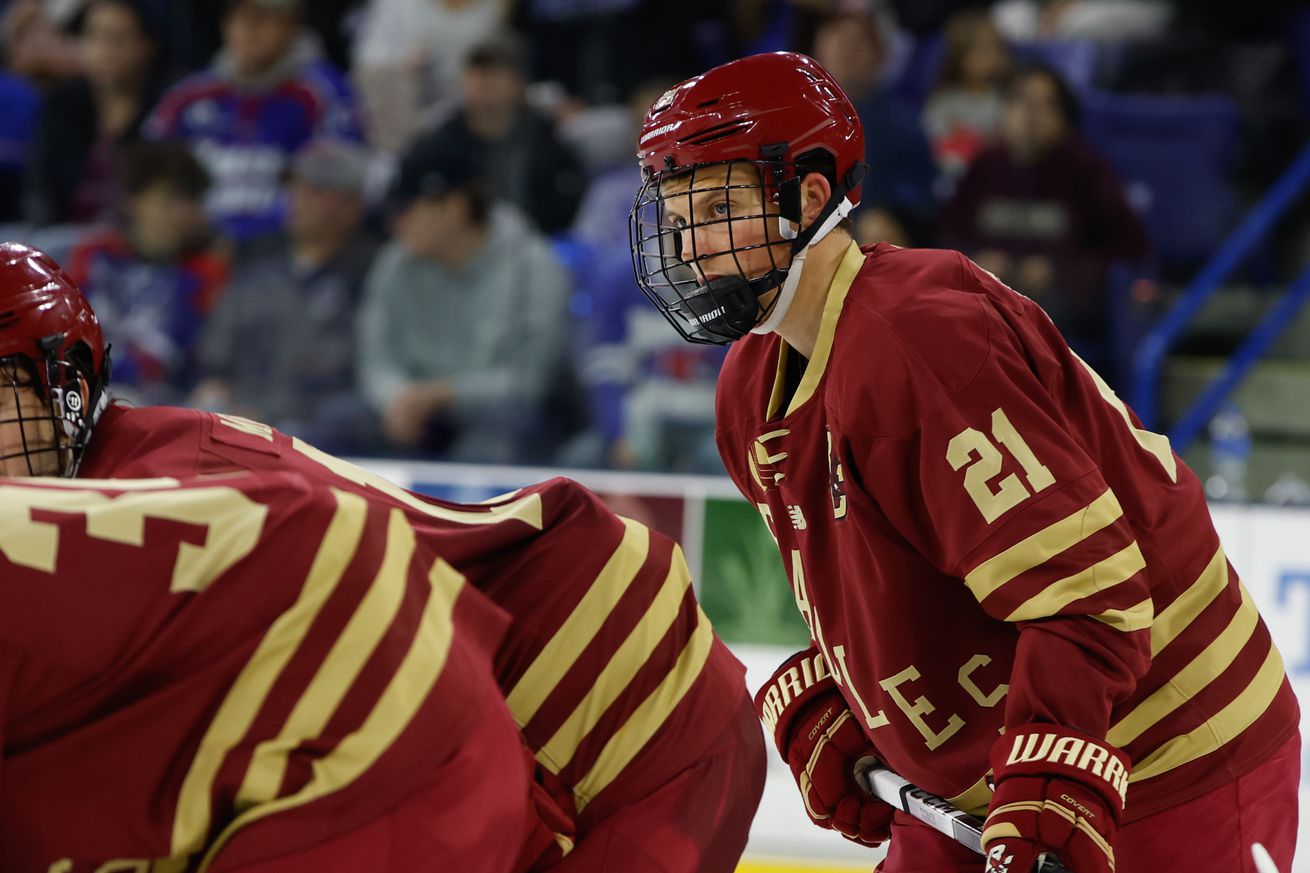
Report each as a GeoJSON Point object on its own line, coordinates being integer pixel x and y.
{"type": "Point", "coordinates": [937, 813]}
{"type": "Point", "coordinates": [1263, 862]}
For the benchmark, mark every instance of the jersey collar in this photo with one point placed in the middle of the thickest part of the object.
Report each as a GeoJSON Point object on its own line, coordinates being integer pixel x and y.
{"type": "Point", "coordinates": [847, 270]}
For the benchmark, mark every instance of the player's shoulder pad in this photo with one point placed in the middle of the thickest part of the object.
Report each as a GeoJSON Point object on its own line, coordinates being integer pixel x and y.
{"type": "Point", "coordinates": [913, 333]}
{"type": "Point", "coordinates": [224, 433]}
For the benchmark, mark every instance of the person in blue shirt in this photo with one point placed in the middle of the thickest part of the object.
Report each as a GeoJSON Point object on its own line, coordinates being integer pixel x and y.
{"type": "Point", "coordinates": [268, 93]}
{"type": "Point", "coordinates": [902, 171]}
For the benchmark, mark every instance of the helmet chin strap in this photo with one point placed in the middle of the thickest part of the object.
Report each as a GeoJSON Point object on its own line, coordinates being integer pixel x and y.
{"type": "Point", "coordinates": [787, 292]}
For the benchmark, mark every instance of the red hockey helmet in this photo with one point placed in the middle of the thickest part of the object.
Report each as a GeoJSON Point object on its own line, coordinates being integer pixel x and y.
{"type": "Point", "coordinates": [50, 341]}
{"type": "Point", "coordinates": [781, 112]}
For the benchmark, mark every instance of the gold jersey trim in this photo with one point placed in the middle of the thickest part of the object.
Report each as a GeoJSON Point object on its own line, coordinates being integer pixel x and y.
{"type": "Point", "coordinates": [558, 656]}
{"type": "Point", "coordinates": [1222, 727]}
{"type": "Point", "coordinates": [842, 281]}
{"type": "Point", "coordinates": [1114, 570]}
{"type": "Point", "coordinates": [628, 740]}
{"type": "Point", "coordinates": [527, 509]}
{"type": "Point", "coordinates": [974, 799]}
{"type": "Point", "coordinates": [1180, 614]}
{"type": "Point", "coordinates": [193, 818]}
{"type": "Point", "coordinates": [1039, 548]}
{"type": "Point", "coordinates": [1190, 681]}
{"type": "Point", "coordinates": [1137, 617]}
{"type": "Point", "coordinates": [623, 666]}
{"type": "Point", "coordinates": [337, 673]}
{"type": "Point", "coordinates": [408, 689]}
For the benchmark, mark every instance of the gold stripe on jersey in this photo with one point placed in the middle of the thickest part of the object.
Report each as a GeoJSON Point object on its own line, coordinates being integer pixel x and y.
{"type": "Point", "coordinates": [1154, 443]}
{"type": "Point", "coordinates": [576, 633]}
{"type": "Point", "coordinates": [630, 739]}
{"type": "Point", "coordinates": [408, 689]}
{"type": "Point", "coordinates": [1190, 681]}
{"type": "Point", "coordinates": [622, 668]}
{"type": "Point", "coordinates": [1177, 616]}
{"type": "Point", "coordinates": [525, 509]}
{"type": "Point", "coordinates": [1223, 726]}
{"type": "Point", "coordinates": [193, 818]}
{"type": "Point", "coordinates": [1134, 618]}
{"type": "Point", "coordinates": [842, 280]}
{"type": "Point", "coordinates": [975, 799]}
{"type": "Point", "coordinates": [1114, 570]}
{"type": "Point", "coordinates": [1039, 548]}
{"type": "Point", "coordinates": [336, 675]}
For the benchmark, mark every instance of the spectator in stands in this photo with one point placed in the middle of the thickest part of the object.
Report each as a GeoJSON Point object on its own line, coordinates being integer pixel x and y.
{"type": "Point", "coordinates": [88, 117]}
{"type": "Point", "coordinates": [267, 94]}
{"type": "Point", "coordinates": [154, 280]}
{"type": "Point", "coordinates": [589, 49]}
{"type": "Point", "coordinates": [20, 105]}
{"type": "Point", "coordinates": [1107, 21]}
{"type": "Point", "coordinates": [280, 347]}
{"type": "Point", "coordinates": [463, 333]}
{"type": "Point", "coordinates": [518, 148]}
{"type": "Point", "coordinates": [963, 112]}
{"type": "Point", "coordinates": [893, 224]}
{"type": "Point", "coordinates": [901, 167]}
{"type": "Point", "coordinates": [651, 393]}
{"type": "Point", "coordinates": [1045, 212]}
{"type": "Point", "coordinates": [38, 39]}
{"type": "Point", "coordinates": [409, 56]}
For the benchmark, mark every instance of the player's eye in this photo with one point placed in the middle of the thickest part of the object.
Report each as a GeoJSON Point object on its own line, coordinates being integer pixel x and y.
{"type": "Point", "coordinates": [721, 209]}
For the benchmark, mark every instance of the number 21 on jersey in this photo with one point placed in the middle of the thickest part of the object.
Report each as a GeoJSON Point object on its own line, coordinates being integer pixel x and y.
{"type": "Point", "coordinates": [981, 458]}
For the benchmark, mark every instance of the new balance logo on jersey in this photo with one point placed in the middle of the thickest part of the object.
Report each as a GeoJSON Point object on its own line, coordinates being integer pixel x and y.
{"type": "Point", "coordinates": [999, 859]}
{"type": "Point", "coordinates": [797, 517]}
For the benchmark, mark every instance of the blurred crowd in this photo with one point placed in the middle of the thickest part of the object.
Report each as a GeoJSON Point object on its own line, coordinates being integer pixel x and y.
{"type": "Point", "coordinates": [399, 227]}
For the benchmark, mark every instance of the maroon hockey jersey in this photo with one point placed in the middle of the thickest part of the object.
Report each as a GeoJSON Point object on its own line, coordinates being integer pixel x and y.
{"type": "Point", "coordinates": [610, 666]}
{"type": "Point", "coordinates": [188, 666]}
{"type": "Point", "coordinates": [979, 533]}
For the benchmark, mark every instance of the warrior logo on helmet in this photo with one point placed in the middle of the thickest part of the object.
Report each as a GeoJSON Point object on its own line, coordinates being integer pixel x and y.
{"type": "Point", "coordinates": [716, 233]}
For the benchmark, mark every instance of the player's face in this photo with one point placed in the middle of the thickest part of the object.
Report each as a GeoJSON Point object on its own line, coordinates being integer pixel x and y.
{"type": "Point", "coordinates": [258, 38]}
{"type": "Point", "coordinates": [25, 425]}
{"type": "Point", "coordinates": [724, 222]}
{"type": "Point", "coordinates": [113, 48]}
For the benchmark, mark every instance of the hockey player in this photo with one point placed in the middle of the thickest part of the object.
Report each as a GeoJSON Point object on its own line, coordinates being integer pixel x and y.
{"type": "Point", "coordinates": [247, 674]}
{"type": "Point", "coordinates": [1008, 581]}
{"type": "Point", "coordinates": [636, 712]}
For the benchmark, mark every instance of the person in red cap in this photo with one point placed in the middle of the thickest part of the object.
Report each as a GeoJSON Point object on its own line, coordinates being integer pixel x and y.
{"type": "Point", "coordinates": [646, 753]}
{"type": "Point", "coordinates": [1016, 596]}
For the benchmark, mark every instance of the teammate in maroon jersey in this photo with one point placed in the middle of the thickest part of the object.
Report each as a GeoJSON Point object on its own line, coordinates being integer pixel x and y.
{"type": "Point", "coordinates": [253, 673]}
{"type": "Point", "coordinates": [637, 714]}
{"type": "Point", "coordinates": [1007, 580]}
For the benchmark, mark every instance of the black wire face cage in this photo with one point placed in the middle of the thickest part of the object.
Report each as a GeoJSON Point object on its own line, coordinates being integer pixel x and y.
{"type": "Point", "coordinates": [662, 225]}
{"type": "Point", "coordinates": [61, 427]}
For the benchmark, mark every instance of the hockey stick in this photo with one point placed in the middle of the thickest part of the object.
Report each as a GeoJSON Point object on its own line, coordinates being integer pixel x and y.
{"type": "Point", "coordinates": [1263, 863]}
{"type": "Point", "coordinates": [938, 814]}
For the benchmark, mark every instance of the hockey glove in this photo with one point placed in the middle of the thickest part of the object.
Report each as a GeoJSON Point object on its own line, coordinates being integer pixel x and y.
{"type": "Point", "coordinates": [822, 743]}
{"type": "Point", "coordinates": [1057, 791]}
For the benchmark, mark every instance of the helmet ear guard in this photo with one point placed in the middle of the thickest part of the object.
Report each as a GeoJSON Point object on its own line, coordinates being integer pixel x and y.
{"type": "Point", "coordinates": [55, 358]}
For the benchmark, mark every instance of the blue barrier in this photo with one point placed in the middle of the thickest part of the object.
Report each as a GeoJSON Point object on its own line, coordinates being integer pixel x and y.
{"type": "Point", "coordinates": [1150, 356]}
